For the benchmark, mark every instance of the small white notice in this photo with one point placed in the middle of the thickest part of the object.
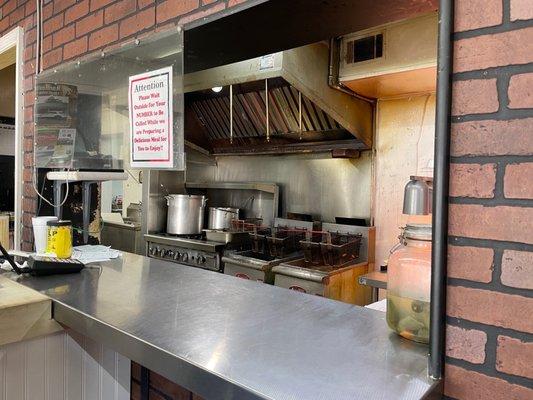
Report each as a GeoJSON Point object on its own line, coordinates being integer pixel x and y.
{"type": "Point", "coordinates": [151, 119]}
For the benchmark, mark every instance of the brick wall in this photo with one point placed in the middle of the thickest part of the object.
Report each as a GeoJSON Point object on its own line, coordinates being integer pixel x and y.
{"type": "Point", "coordinates": [489, 346]}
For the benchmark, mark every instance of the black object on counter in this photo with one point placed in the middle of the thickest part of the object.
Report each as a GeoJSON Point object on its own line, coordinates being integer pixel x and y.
{"type": "Point", "coordinates": [40, 266]}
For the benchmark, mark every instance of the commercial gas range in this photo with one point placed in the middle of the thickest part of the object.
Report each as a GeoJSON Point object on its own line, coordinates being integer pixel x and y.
{"type": "Point", "coordinates": [195, 251]}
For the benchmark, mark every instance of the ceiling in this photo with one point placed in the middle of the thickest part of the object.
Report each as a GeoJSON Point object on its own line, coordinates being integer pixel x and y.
{"type": "Point", "coordinates": [260, 27]}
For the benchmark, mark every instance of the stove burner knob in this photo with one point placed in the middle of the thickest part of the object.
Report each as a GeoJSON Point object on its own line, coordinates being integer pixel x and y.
{"type": "Point", "coordinates": [155, 251]}
{"type": "Point", "coordinates": [184, 257]}
{"type": "Point", "coordinates": [200, 260]}
{"type": "Point", "coordinates": [162, 253]}
{"type": "Point", "coordinates": [176, 255]}
{"type": "Point", "coordinates": [151, 251]}
{"type": "Point", "coordinates": [170, 254]}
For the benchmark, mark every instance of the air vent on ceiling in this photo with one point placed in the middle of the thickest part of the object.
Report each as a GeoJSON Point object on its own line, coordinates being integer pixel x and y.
{"type": "Point", "coordinates": [364, 49]}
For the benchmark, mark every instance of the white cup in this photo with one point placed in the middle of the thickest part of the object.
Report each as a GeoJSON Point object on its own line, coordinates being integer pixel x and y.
{"type": "Point", "coordinates": [40, 232]}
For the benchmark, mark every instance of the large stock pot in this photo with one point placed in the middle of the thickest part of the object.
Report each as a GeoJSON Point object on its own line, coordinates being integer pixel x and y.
{"type": "Point", "coordinates": [185, 214]}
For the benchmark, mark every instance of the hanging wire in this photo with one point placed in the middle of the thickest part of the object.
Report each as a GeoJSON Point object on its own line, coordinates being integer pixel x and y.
{"type": "Point", "coordinates": [231, 114]}
{"type": "Point", "coordinates": [267, 117]}
{"type": "Point", "coordinates": [300, 113]}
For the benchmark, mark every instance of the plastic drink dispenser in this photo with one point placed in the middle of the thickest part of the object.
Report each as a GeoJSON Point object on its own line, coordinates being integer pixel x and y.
{"type": "Point", "coordinates": [408, 287]}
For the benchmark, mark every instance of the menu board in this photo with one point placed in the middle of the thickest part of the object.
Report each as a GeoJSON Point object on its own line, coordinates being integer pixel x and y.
{"type": "Point", "coordinates": [151, 119]}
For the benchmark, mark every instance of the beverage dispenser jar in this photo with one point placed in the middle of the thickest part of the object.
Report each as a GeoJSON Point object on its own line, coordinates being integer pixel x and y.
{"type": "Point", "coordinates": [408, 286]}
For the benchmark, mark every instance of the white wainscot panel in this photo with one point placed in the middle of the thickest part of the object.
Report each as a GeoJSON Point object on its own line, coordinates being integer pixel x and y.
{"type": "Point", "coordinates": [63, 366]}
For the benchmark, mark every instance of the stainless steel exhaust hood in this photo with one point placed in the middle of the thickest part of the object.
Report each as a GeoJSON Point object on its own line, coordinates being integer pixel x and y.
{"type": "Point", "coordinates": [301, 107]}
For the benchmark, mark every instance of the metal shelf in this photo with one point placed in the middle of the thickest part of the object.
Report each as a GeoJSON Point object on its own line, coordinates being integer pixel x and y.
{"type": "Point", "coordinates": [93, 176]}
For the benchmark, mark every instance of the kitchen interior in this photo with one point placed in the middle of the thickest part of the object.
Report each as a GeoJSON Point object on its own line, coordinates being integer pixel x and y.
{"type": "Point", "coordinates": [269, 185]}
{"type": "Point", "coordinates": [308, 169]}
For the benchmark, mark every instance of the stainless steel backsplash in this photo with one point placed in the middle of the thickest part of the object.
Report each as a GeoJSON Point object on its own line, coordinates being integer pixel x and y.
{"type": "Point", "coordinates": [311, 183]}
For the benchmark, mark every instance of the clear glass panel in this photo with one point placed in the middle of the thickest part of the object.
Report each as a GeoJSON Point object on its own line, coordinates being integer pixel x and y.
{"type": "Point", "coordinates": [82, 112]}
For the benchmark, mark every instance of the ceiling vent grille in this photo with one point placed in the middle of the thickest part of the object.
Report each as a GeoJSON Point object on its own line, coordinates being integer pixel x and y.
{"type": "Point", "coordinates": [364, 49]}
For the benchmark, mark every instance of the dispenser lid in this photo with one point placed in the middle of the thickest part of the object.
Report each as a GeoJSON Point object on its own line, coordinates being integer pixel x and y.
{"type": "Point", "coordinates": [418, 231]}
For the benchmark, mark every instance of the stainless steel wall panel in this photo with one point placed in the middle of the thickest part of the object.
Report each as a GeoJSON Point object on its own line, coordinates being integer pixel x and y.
{"type": "Point", "coordinates": [313, 183]}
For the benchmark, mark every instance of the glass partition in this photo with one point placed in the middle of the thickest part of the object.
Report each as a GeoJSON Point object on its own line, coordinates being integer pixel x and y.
{"type": "Point", "coordinates": [82, 110]}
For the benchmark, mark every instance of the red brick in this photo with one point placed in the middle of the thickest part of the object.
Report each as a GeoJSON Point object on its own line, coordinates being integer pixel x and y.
{"type": "Point", "coordinates": [31, 6]}
{"type": "Point", "coordinates": [514, 357]}
{"type": "Point", "coordinates": [26, 220]}
{"type": "Point", "coordinates": [4, 24]}
{"type": "Point", "coordinates": [16, 16]}
{"type": "Point", "coordinates": [491, 308]}
{"type": "Point", "coordinates": [28, 159]}
{"type": "Point", "coordinates": [233, 3]}
{"type": "Point", "coordinates": [153, 395]}
{"type": "Point", "coordinates": [28, 84]}
{"type": "Point", "coordinates": [29, 68]}
{"type": "Point", "coordinates": [206, 2]}
{"type": "Point", "coordinates": [174, 8]}
{"type": "Point", "coordinates": [169, 388]}
{"type": "Point", "coordinates": [30, 36]}
{"type": "Point", "coordinates": [103, 37]}
{"type": "Point", "coordinates": [47, 44]}
{"type": "Point", "coordinates": [27, 23]}
{"type": "Point", "coordinates": [466, 344]}
{"type": "Point", "coordinates": [511, 224]}
{"type": "Point", "coordinates": [500, 49]}
{"type": "Point", "coordinates": [27, 144]}
{"type": "Point", "coordinates": [462, 384]}
{"type": "Point", "coordinates": [52, 57]}
{"type": "Point", "coordinates": [135, 391]}
{"type": "Point", "coordinates": [476, 96]}
{"type": "Point", "coordinates": [517, 269]}
{"type": "Point", "coordinates": [28, 114]}
{"type": "Point", "coordinates": [521, 10]}
{"type": "Point", "coordinates": [472, 180]}
{"type": "Point", "coordinates": [28, 191]}
{"type": "Point", "coordinates": [60, 5]}
{"type": "Point", "coordinates": [76, 12]}
{"type": "Point", "coordinates": [9, 7]}
{"type": "Point", "coordinates": [138, 22]}
{"type": "Point", "coordinates": [53, 24]}
{"type": "Point", "coordinates": [28, 130]}
{"type": "Point", "coordinates": [97, 4]}
{"type": "Point", "coordinates": [28, 53]}
{"type": "Point", "coordinates": [28, 205]}
{"type": "Point", "coordinates": [64, 35]}
{"type": "Point", "coordinates": [27, 174]}
{"type": "Point", "coordinates": [518, 181]}
{"type": "Point", "coordinates": [144, 3]}
{"type": "Point", "coordinates": [521, 90]}
{"type": "Point", "coordinates": [135, 371]}
{"type": "Point", "coordinates": [470, 263]}
{"type": "Point", "coordinates": [48, 10]}
{"type": "Point", "coordinates": [492, 138]}
{"type": "Point", "coordinates": [90, 23]}
{"type": "Point", "coordinates": [119, 10]}
{"type": "Point", "coordinates": [29, 99]}
{"type": "Point", "coordinates": [75, 48]}
{"type": "Point", "coordinates": [203, 13]}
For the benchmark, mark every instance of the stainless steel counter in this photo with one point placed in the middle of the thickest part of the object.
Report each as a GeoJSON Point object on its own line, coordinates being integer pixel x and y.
{"type": "Point", "coordinates": [227, 338]}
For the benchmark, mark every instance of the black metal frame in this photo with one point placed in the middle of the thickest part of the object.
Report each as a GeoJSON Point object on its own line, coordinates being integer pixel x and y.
{"type": "Point", "coordinates": [440, 192]}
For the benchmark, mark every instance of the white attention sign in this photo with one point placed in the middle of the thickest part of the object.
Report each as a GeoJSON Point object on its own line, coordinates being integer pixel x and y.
{"type": "Point", "coordinates": [151, 119]}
